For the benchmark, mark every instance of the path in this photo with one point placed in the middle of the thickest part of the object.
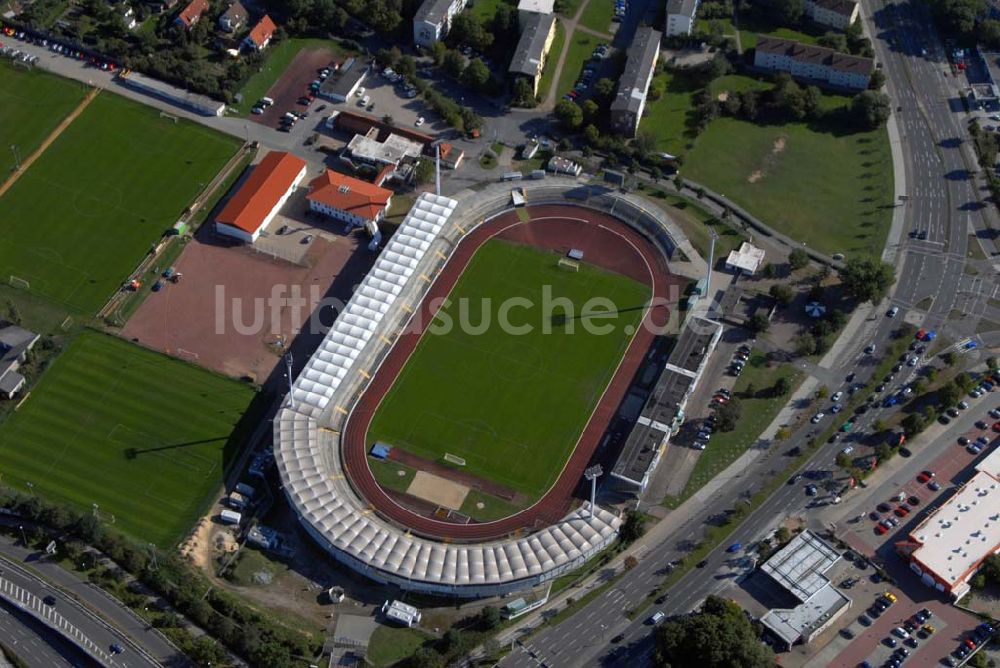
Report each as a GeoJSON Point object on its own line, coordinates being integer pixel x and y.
{"type": "Point", "coordinates": [48, 140]}
{"type": "Point", "coordinates": [569, 27]}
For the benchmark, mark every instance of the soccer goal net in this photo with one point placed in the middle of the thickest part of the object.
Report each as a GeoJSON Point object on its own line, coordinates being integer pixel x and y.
{"type": "Point", "coordinates": [169, 117]}
{"type": "Point", "coordinates": [18, 282]}
{"type": "Point", "coordinates": [569, 265]}
{"type": "Point", "coordinates": [454, 459]}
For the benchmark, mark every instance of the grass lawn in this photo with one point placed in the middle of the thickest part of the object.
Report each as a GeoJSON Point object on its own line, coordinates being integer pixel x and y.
{"type": "Point", "coordinates": [388, 474]}
{"type": "Point", "coordinates": [32, 102]}
{"type": "Point", "coordinates": [493, 508]}
{"type": "Point", "coordinates": [737, 83]}
{"type": "Point", "coordinates": [552, 61]}
{"type": "Point", "coordinates": [79, 220]}
{"type": "Point", "coordinates": [696, 222]}
{"type": "Point", "coordinates": [581, 46]}
{"type": "Point", "coordinates": [753, 22]}
{"type": "Point", "coordinates": [485, 9]}
{"type": "Point", "coordinates": [726, 447]}
{"type": "Point", "coordinates": [512, 404]}
{"type": "Point", "coordinates": [279, 57]}
{"type": "Point", "coordinates": [391, 644]}
{"type": "Point", "coordinates": [667, 118]}
{"type": "Point", "coordinates": [597, 15]}
{"type": "Point", "coordinates": [833, 192]}
{"type": "Point", "coordinates": [140, 434]}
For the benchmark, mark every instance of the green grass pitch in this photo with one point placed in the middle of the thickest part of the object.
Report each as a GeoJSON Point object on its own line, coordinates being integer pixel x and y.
{"type": "Point", "coordinates": [32, 103]}
{"type": "Point", "coordinates": [512, 405]}
{"type": "Point", "coordinates": [136, 432]}
{"type": "Point", "coordinates": [80, 218]}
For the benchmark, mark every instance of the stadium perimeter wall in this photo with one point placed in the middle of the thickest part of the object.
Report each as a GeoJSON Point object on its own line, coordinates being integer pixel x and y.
{"type": "Point", "coordinates": [307, 439]}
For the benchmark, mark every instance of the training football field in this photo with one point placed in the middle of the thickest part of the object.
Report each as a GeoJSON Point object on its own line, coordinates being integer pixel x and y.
{"type": "Point", "coordinates": [140, 434]}
{"type": "Point", "coordinates": [513, 405]}
{"type": "Point", "coordinates": [32, 103]}
{"type": "Point", "coordinates": [82, 216]}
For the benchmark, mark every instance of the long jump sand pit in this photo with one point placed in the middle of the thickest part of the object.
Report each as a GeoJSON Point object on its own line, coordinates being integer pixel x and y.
{"type": "Point", "coordinates": [438, 490]}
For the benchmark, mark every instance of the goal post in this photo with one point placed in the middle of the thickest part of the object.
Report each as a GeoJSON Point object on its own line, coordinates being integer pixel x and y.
{"type": "Point", "coordinates": [169, 117]}
{"type": "Point", "coordinates": [454, 459]}
{"type": "Point", "coordinates": [18, 282]}
{"type": "Point", "coordinates": [569, 265]}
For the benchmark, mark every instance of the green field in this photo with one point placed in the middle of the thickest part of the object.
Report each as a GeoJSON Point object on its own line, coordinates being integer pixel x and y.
{"type": "Point", "coordinates": [668, 117]}
{"type": "Point", "coordinates": [581, 46]}
{"type": "Point", "coordinates": [32, 103]}
{"type": "Point", "coordinates": [512, 404]}
{"type": "Point", "coordinates": [834, 192]}
{"type": "Point", "coordinates": [279, 57]}
{"type": "Point", "coordinates": [597, 15]}
{"type": "Point", "coordinates": [696, 223]}
{"type": "Point", "coordinates": [754, 22]}
{"type": "Point", "coordinates": [82, 216]}
{"type": "Point", "coordinates": [138, 433]}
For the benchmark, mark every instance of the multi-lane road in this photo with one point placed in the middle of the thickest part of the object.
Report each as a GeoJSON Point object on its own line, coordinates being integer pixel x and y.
{"type": "Point", "coordinates": [933, 284]}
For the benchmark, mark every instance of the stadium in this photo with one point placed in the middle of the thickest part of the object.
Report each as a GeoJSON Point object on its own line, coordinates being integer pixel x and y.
{"type": "Point", "coordinates": [468, 420]}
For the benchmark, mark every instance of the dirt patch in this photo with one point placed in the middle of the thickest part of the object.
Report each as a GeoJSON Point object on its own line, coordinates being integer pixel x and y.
{"type": "Point", "coordinates": [776, 149]}
{"type": "Point", "coordinates": [723, 96]}
{"type": "Point", "coordinates": [779, 145]}
{"type": "Point", "coordinates": [293, 84]}
{"type": "Point", "coordinates": [438, 490]}
{"type": "Point", "coordinates": [236, 311]}
{"type": "Point", "coordinates": [756, 176]}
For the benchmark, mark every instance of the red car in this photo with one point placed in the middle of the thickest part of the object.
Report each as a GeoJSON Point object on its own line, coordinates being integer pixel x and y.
{"type": "Point", "coordinates": [921, 333]}
{"type": "Point", "coordinates": [927, 475]}
{"type": "Point", "coordinates": [880, 529]}
{"type": "Point", "coordinates": [970, 643]}
{"type": "Point", "coordinates": [996, 427]}
{"type": "Point", "coordinates": [902, 511]}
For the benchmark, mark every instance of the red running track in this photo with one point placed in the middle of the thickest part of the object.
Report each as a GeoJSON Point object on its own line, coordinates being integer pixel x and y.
{"type": "Point", "coordinates": [607, 243]}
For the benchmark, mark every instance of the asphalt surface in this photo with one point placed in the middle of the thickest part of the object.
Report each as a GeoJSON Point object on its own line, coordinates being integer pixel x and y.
{"type": "Point", "coordinates": [34, 642]}
{"type": "Point", "coordinates": [932, 282]}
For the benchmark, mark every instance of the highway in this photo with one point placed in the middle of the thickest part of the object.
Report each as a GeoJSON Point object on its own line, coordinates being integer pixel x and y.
{"type": "Point", "coordinates": [35, 643]}
{"type": "Point", "coordinates": [932, 282]}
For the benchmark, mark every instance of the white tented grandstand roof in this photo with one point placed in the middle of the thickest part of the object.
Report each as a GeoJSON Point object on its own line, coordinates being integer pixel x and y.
{"type": "Point", "coordinates": [374, 297]}
{"type": "Point", "coordinates": [310, 466]}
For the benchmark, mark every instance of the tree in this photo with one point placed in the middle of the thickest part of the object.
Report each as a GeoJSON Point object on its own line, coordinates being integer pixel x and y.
{"type": "Point", "coordinates": [883, 452]}
{"type": "Point", "coordinates": [914, 423]}
{"type": "Point", "coordinates": [452, 641]}
{"type": "Point", "coordinates": [728, 414]}
{"type": "Point", "coordinates": [877, 80]}
{"type": "Point", "coordinates": [871, 109]}
{"type": "Point", "coordinates": [783, 535]}
{"type": "Point", "coordinates": [389, 57]}
{"type": "Point", "coordinates": [604, 87]}
{"type": "Point", "coordinates": [439, 51]}
{"type": "Point", "coordinates": [570, 114]}
{"type": "Point", "coordinates": [590, 110]}
{"type": "Point", "coordinates": [470, 119]}
{"type": "Point", "coordinates": [407, 66]}
{"type": "Point", "coordinates": [786, 11]}
{"type": "Point", "coordinates": [758, 323]}
{"type": "Point", "coordinates": [523, 93]}
{"type": "Point", "coordinates": [867, 278]}
{"type": "Point", "coordinates": [489, 617]}
{"type": "Point", "coordinates": [781, 387]}
{"type": "Point", "coordinates": [630, 562]}
{"type": "Point", "coordinates": [592, 135]}
{"type": "Point", "coordinates": [958, 16]}
{"type": "Point", "coordinates": [834, 40]}
{"type": "Point", "coordinates": [645, 143]}
{"type": "Point", "coordinates": [843, 460]}
{"type": "Point", "coordinates": [798, 259]}
{"type": "Point", "coordinates": [717, 636]}
{"type": "Point", "coordinates": [454, 63]}
{"type": "Point", "coordinates": [949, 358]}
{"type": "Point", "coordinates": [476, 75]}
{"type": "Point", "coordinates": [782, 293]}
{"type": "Point", "coordinates": [632, 528]}
{"type": "Point", "coordinates": [424, 172]}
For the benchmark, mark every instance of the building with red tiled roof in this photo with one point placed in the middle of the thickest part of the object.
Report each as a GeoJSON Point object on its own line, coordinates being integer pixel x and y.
{"type": "Point", "coordinates": [261, 196]}
{"type": "Point", "coordinates": [348, 199]}
{"type": "Point", "coordinates": [261, 34]}
{"type": "Point", "coordinates": [190, 14]}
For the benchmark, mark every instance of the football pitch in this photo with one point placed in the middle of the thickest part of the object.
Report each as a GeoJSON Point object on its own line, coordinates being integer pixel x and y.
{"type": "Point", "coordinates": [139, 434]}
{"type": "Point", "coordinates": [512, 404]}
{"type": "Point", "coordinates": [32, 103]}
{"type": "Point", "coordinates": [82, 216]}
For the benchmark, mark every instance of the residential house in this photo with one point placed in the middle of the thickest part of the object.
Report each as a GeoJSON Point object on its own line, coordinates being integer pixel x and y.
{"type": "Point", "coordinates": [836, 14]}
{"type": "Point", "coordinates": [815, 64]}
{"type": "Point", "coordinates": [681, 17]}
{"type": "Point", "coordinates": [525, 8]}
{"type": "Point", "coordinates": [234, 18]}
{"type": "Point", "coordinates": [191, 14]}
{"type": "Point", "coordinates": [537, 33]}
{"type": "Point", "coordinates": [630, 99]}
{"type": "Point", "coordinates": [348, 199]}
{"type": "Point", "coordinates": [261, 34]}
{"type": "Point", "coordinates": [128, 18]}
{"type": "Point", "coordinates": [15, 343]}
{"type": "Point", "coordinates": [433, 20]}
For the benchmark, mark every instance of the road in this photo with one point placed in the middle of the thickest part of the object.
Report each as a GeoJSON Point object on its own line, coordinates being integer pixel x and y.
{"type": "Point", "coordinates": [932, 284]}
{"type": "Point", "coordinates": [34, 642]}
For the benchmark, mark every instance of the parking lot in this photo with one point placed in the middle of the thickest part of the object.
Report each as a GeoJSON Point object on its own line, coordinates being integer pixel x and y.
{"type": "Point", "coordinates": [386, 99]}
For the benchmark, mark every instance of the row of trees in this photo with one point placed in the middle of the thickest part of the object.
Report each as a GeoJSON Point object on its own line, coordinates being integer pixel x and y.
{"type": "Point", "coordinates": [718, 636]}
{"type": "Point", "coordinates": [250, 634]}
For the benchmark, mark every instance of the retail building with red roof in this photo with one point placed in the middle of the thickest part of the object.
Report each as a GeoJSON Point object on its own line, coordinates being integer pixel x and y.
{"type": "Point", "coordinates": [261, 196]}
{"type": "Point", "coordinates": [348, 199]}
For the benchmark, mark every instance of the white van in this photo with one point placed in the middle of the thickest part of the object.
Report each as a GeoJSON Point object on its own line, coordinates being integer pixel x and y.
{"type": "Point", "coordinates": [657, 618]}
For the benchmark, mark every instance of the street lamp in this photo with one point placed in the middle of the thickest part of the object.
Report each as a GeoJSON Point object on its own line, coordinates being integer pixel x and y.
{"type": "Point", "coordinates": [592, 474]}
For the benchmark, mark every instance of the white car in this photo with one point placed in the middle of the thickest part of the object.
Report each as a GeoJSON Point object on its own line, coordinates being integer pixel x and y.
{"type": "Point", "coordinates": [420, 121]}
{"type": "Point", "coordinates": [360, 93]}
{"type": "Point", "coordinates": [836, 396]}
{"type": "Point", "coordinates": [870, 349]}
{"type": "Point", "coordinates": [848, 450]}
{"type": "Point", "coordinates": [816, 418]}
{"type": "Point", "coordinates": [893, 311]}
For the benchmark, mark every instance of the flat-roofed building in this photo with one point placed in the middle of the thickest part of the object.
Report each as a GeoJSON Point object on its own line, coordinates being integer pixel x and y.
{"type": "Point", "coordinates": [525, 8]}
{"type": "Point", "coordinates": [800, 569]}
{"type": "Point", "coordinates": [531, 54]}
{"type": "Point", "coordinates": [345, 81]}
{"type": "Point", "coordinates": [393, 150]}
{"type": "Point", "coordinates": [630, 100]}
{"type": "Point", "coordinates": [815, 64]}
{"type": "Point", "coordinates": [746, 259]}
{"type": "Point", "coordinates": [947, 548]}
{"type": "Point", "coordinates": [433, 20]}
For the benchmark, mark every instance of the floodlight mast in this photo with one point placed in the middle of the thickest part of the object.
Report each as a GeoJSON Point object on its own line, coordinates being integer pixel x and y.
{"type": "Point", "coordinates": [592, 474]}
